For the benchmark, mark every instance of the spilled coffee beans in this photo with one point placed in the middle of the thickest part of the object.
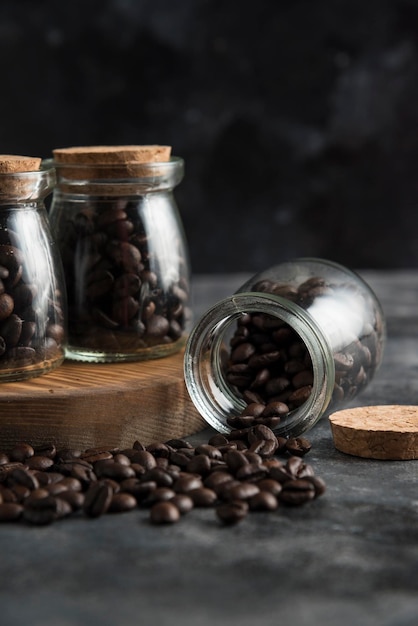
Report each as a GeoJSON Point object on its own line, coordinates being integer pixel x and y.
{"type": "Point", "coordinates": [233, 474]}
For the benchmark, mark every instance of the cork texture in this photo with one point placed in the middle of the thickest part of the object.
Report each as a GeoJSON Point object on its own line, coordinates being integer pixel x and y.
{"type": "Point", "coordinates": [14, 164]}
{"type": "Point", "coordinates": [112, 155]}
{"type": "Point", "coordinates": [107, 163]}
{"type": "Point", "coordinates": [12, 185]}
{"type": "Point", "coordinates": [388, 432]}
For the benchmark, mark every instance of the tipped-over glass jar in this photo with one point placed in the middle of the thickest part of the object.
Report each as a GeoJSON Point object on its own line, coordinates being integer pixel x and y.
{"type": "Point", "coordinates": [32, 289]}
{"type": "Point", "coordinates": [292, 344]}
{"type": "Point", "coordinates": [125, 259]}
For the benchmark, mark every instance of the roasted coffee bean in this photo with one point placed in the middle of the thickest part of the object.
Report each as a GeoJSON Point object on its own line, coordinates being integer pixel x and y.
{"type": "Point", "coordinates": [7, 495]}
{"type": "Point", "coordinates": [21, 492]}
{"type": "Point", "coordinates": [92, 457]}
{"type": "Point", "coordinates": [203, 496]}
{"type": "Point", "coordinates": [38, 462]}
{"type": "Point", "coordinates": [252, 472]}
{"type": "Point", "coordinates": [67, 454]}
{"type": "Point", "coordinates": [144, 458]}
{"type": "Point", "coordinates": [112, 469]}
{"type": "Point", "coordinates": [218, 440]}
{"type": "Point", "coordinates": [23, 477]}
{"type": "Point", "coordinates": [97, 499]}
{"type": "Point", "coordinates": [159, 476]}
{"type": "Point", "coordinates": [122, 502]}
{"type": "Point", "coordinates": [240, 491]}
{"type": "Point", "coordinates": [298, 446]}
{"type": "Point", "coordinates": [263, 447]}
{"type": "Point", "coordinates": [232, 512]}
{"type": "Point", "coordinates": [10, 511]}
{"type": "Point", "coordinates": [159, 450]}
{"type": "Point", "coordinates": [7, 468]}
{"type": "Point", "coordinates": [296, 492]}
{"type": "Point", "coordinates": [21, 452]}
{"type": "Point", "coordinates": [47, 477]}
{"type": "Point", "coordinates": [160, 494]}
{"type": "Point", "coordinates": [164, 513]}
{"type": "Point", "coordinates": [318, 483]}
{"type": "Point", "coordinates": [48, 450]}
{"type": "Point", "coordinates": [235, 459]}
{"type": "Point", "coordinates": [183, 502]}
{"type": "Point", "coordinates": [74, 498]}
{"type": "Point", "coordinates": [263, 501]}
{"type": "Point", "coordinates": [199, 464]}
{"type": "Point", "coordinates": [218, 479]}
{"type": "Point", "coordinates": [85, 475]}
{"type": "Point", "coordinates": [40, 511]}
{"type": "Point", "coordinates": [186, 483]}
{"type": "Point", "coordinates": [211, 451]}
{"type": "Point", "coordinates": [69, 482]}
{"type": "Point", "coordinates": [269, 484]}
{"type": "Point", "coordinates": [6, 306]}
{"type": "Point", "coordinates": [55, 488]}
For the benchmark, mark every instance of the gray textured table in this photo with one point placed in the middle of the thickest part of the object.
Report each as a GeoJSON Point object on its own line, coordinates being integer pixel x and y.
{"type": "Point", "coordinates": [348, 558]}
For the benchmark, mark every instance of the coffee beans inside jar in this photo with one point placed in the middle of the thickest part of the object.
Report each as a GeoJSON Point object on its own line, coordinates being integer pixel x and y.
{"type": "Point", "coordinates": [292, 344]}
{"type": "Point", "coordinates": [124, 252]}
{"type": "Point", "coordinates": [249, 470]}
{"type": "Point", "coordinates": [32, 290]}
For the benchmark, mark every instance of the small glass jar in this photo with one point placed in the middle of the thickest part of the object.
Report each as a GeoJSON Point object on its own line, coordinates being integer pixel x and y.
{"type": "Point", "coordinates": [32, 288]}
{"type": "Point", "coordinates": [294, 343]}
{"type": "Point", "coordinates": [125, 259]}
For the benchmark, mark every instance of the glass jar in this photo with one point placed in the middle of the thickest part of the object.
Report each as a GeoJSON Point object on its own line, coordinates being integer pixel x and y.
{"type": "Point", "coordinates": [32, 289]}
{"type": "Point", "coordinates": [125, 259]}
{"type": "Point", "coordinates": [292, 344]}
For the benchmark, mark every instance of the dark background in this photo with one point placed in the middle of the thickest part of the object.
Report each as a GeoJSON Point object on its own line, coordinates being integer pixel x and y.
{"type": "Point", "coordinates": [297, 119]}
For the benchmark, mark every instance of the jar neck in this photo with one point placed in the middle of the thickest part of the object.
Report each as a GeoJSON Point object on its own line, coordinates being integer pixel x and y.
{"type": "Point", "coordinates": [215, 399]}
{"type": "Point", "coordinates": [27, 189]}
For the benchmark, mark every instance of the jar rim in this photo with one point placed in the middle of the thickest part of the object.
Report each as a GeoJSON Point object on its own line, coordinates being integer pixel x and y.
{"type": "Point", "coordinates": [127, 169]}
{"type": "Point", "coordinates": [129, 178]}
{"type": "Point", "coordinates": [207, 336]}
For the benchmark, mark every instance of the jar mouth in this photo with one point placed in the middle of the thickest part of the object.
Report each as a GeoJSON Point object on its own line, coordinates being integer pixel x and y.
{"type": "Point", "coordinates": [208, 388]}
{"type": "Point", "coordinates": [129, 176]}
{"type": "Point", "coordinates": [27, 186]}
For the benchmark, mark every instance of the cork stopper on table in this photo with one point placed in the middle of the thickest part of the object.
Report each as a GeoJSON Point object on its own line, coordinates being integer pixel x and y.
{"type": "Point", "coordinates": [387, 432]}
{"type": "Point", "coordinates": [17, 164]}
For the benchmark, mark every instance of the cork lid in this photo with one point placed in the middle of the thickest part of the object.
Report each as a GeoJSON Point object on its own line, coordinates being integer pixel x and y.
{"type": "Point", "coordinates": [112, 155]}
{"type": "Point", "coordinates": [387, 432]}
{"type": "Point", "coordinates": [19, 176]}
{"type": "Point", "coordinates": [14, 163]}
{"type": "Point", "coordinates": [109, 163]}
{"type": "Point", "coordinates": [102, 155]}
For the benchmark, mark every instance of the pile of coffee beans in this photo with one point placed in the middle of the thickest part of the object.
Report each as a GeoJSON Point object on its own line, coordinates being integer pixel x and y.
{"type": "Point", "coordinates": [232, 474]}
{"type": "Point", "coordinates": [31, 316]}
{"type": "Point", "coordinates": [271, 368]}
{"type": "Point", "coordinates": [120, 298]}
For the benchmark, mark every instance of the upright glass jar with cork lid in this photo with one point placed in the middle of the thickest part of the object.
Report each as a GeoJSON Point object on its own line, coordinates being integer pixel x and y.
{"type": "Point", "coordinates": [124, 251]}
{"type": "Point", "coordinates": [32, 288]}
{"type": "Point", "coordinates": [292, 344]}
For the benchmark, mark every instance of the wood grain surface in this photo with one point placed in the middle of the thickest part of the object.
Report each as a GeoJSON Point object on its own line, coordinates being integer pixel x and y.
{"type": "Point", "coordinates": [82, 405]}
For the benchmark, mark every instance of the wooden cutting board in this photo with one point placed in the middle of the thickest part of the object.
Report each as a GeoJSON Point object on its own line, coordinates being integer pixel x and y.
{"type": "Point", "coordinates": [83, 405]}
